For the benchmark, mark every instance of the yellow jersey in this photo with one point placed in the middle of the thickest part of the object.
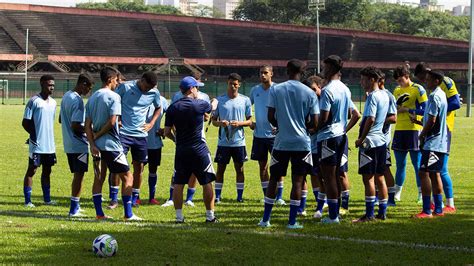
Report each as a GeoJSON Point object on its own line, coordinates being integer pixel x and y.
{"type": "Point", "coordinates": [449, 87]}
{"type": "Point", "coordinates": [416, 95]}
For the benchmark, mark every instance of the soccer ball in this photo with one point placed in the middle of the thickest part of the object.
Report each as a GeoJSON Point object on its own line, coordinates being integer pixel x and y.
{"type": "Point", "coordinates": [104, 246]}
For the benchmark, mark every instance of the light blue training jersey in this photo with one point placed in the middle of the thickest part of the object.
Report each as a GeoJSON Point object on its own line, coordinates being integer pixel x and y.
{"type": "Point", "coordinates": [437, 137]}
{"type": "Point", "coordinates": [236, 109]}
{"type": "Point", "coordinates": [103, 104]}
{"type": "Point", "coordinates": [294, 102]}
{"type": "Point", "coordinates": [72, 110]}
{"type": "Point", "coordinates": [154, 141]}
{"type": "Point", "coordinates": [201, 95]}
{"type": "Point", "coordinates": [376, 106]}
{"type": "Point", "coordinates": [41, 112]}
{"type": "Point", "coordinates": [135, 105]}
{"type": "Point", "coordinates": [392, 110]}
{"type": "Point", "coordinates": [335, 99]}
{"type": "Point", "coordinates": [259, 98]}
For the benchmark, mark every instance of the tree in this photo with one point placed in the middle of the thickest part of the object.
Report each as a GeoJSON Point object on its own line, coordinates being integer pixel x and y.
{"type": "Point", "coordinates": [131, 5]}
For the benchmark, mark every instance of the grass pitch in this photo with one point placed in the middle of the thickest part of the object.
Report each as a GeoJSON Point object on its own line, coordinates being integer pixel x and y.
{"type": "Point", "coordinates": [45, 235]}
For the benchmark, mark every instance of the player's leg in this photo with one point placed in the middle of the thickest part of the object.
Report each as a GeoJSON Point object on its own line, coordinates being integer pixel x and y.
{"type": "Point", "coordinates": [260, 153]}
{"type": "Point", "coordinates": [425, 182]}
{"type": "Point", "coordinates": [329, 165]}
{"type": "Point", "coordinates": [208, 196]}
{"type": "Point", "coordinates": [205, 174]}
{"type": "Point", "coordinates": [345, 190]}
{"type": "Point", "coordinates": [170, 202]}
{"type": "Point", "coordinates": [301, 163]}
{"type": "Point", "coordinates": [138, 168]}
{"type": "Point", "coordinates": [400, 173]}
{"type": "Point", "coordinates": [447, 186]}
{"type": "Point", "coordinates": [47, 161]}
{"type": "Point", "coordinates": [78, 167]}
{"type": "Point", "coordinates": [191, 191]}
{"type": "Point", "coordinates": [389, 180]}
{"type": "Point", "coordinates": [264, 176]}
{"type": "Point", "coordinates": [415, 157]}
{"type": "Point", "coordinates": [367, 165]}
{"type": "Point", "coordinates": [154, 160]}
{"type": "Point", "coordinates": [239, 156]}
{"type": "Point", "coordinates": [98, 182]}
{"type": "Point", "coordinates": [222, 159]}
{"type": "Point", "coordinates": [178, 202]}
{"type": "Point", "coordinates": [304, 195]}
{"type": "Point", "coordinates": [127, 183]}
{"type": "Point", "coordinates": [114, 185]}
{"type": "Point", "coordinates": [33, 164]}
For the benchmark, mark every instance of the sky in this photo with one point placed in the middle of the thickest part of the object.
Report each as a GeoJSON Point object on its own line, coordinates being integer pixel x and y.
{"type": "Point", "coordinates": [449, 4]}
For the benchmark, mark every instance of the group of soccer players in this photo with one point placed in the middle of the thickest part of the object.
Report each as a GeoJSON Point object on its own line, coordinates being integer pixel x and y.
{"type": "Point", "coordinates": [304, 121]}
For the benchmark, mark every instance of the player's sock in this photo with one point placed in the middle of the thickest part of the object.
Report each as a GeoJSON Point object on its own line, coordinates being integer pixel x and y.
{"type": "Point", "coordinates": [264, 187]}
{"type": "Point", "coordinates": [127, 206]}
{"type": "Point", "coordinates": [171, 192]}
{"type": "Point", "coordinates": [210, 215]}
{"type": "Point", "coordinates": [321, 200]}
{"type": "Point", "coordinates": [438, 202]}
{"type": "Point", "coordinates": [218, 189]}
{"type": "Point", "coordinates": [419, 193]}
{"type": "Point", "coordinates": [391, 194]}
{"type": "Point", "coordinates": [345, 199]}
{"type": "Point", "coordinates": [427, 204]}
{"type": "Point", "coordinates": [279, 194]}
{"type": "Point", "coordinates": [74, 205]}
{"type": "Point", "coordinates": [398, 191]}
{"type": "Point", "coordinates": [450, 202]}
{"type": "Point", "coordinates": [114, 190]}
{"type": "Point", "coordinates": [382, 207]}
{"type": "Point", "coordinates": [135, 195]}
{"type": "Point", "coordinates": [369, 206]}
{"type": "Point", "coordinates": [97, 198]}
{"type": "Point", "coordinates": [267, 212]}
{"type": "Point", "coordinates": [46, 193]}
{"type": "Point", "coordinates": [240, 191]}
{"type": "Point", "coordinates": [27, 193]}
{"type": "Point", "coordinates": [179, 215]}
{"type": "Point", "coordinates": [190, 194]}
{"type": "Point", "coordinates": [152, 179]}
{"type": "Point", "coordinates": [316, 192]}
{"type": "Point", "coordinates": [294, 206]}
{"type": "Point", "coordinates": [332, 208]}
{"type": "Point", "coordinates": [302, 206]}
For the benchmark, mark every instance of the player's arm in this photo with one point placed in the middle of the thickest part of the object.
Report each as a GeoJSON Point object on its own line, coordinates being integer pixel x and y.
{"type": "Point", "coordinates": [454, 103]}
{"type": "Point", "coordinates": [354, 115]}
{"type": "Point", "coordinates": [391, 119]}
{"type": "Point", "coordinates": [428, 126]}
{"type": "Point", "coordinates": [271, 117]}
{"type": "Point", "coordinates": [27, 125]}
{"type": "Point", "coordinates": [245, 123]}
{"type": "Point", "coordinates": [107, 127]}
{"type": "Point", "coordinates": [312, 123]}
{"type": "Point", "coordinates": [90, 137]}
{"type": "Point", "coordinates": [369, 122]}
{"type": "Point", "coordinates": [169, 133]}
{"type": "Point", "coordinates": [77, 128]}
{"type": "Point", "coordinates": [156, 115]}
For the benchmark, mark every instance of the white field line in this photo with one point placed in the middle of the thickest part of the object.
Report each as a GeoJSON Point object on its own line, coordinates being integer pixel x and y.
{"type": "Point", "coordinates": [373, 242]}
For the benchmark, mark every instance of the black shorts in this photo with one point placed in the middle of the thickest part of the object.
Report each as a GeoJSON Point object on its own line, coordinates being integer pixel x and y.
{"type": "Point", "coordinates": [388, 157]}
{"type": "Point", "coordinates": [345, 158]}
{"type": "Point", "coordinates": [138, 146]}
{"type": "Point", "coordinates": [45, 159]}
{"type": "Point", "coordinates": [431, 161]}
{"type": "Point", "coordinates": [315, 168]}
{"type": "Point", "coordinates": [261, 147]}
{"type": "Point", "coordinates": [154, 157]}
{"type": "Point", "coordinates": [238, 154]}
{"type": "Point", "coordinates": [116, 161]}
{"type": "Point", "coordinates": [193, 161]}
{"type": "Point", "coordinates": [405, 140]}
{"type": "Point", "coordinates": [301, 162]}
{"type": "Point", "coordinates": [331, 150]}
{"type": "Point", "coordinates": [78, 162]}
{"type": "Point", "coordinates": [372, 161]}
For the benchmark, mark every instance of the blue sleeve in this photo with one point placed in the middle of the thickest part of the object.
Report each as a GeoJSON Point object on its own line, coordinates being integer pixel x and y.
{"type": "Point", "coordinates": [271, 98]}
{"type": "Point", "coordinates": [251, 95]}
{"type": "Point", "coordinates": [115, 107]}
{"type": "Point", "coordinates": [454, 103]}
{"type": "Point", "coordinates": [157, 100]}
{"type": "Point", "coordinates": [314, 104]}
{"type": "Point", "coordinates": [370, 107]}
{"type": "Point", "coordinates": [392, 107]}
{"type": "Point", "coordinates": [434, 106]}
{"type": "Point", "coordinates": [325, 102]}
{"type": "Point", "coordinates": [29, 109]}
{"type": "Point", "coordinates": [248, 108]}
{"type": "Point", "coordinates": [120, 90]}
{"type": "Point", "coordinates": [164, 105]}
{"type": "Point", "coordinates": [420, 108]}
{"type": "Point", "coordinates": [169, 117]}
{"type": "Point", "coordinates": [78, 112]}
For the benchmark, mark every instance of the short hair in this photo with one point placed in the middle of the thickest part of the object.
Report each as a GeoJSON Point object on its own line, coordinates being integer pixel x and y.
{"type": "Point", "coordinates": [421, 68]}
{"type": "Point", "coordinates": [85, 79]}
{"type": "Point", "coordinates": [313, 79]}
{"type": "Point", "coordinates": [46, 78]}
{"type": "Point", "coordinates": [400, 71]}
{"type": "Point", "coordinates": [334, 61]}
{"type": "Point", "coordinates": [234, 76]}
{"type": "Point", "coordinates": [381, 74]}
{"type": "Point", "coordinates": [108, 72]}
{"type": "Point", "coordinates": [197, 75]}
{"type": "Point", "coordinates": [267, 66]}
{"type": "Point", "coordinates": [295, 66]}
{"type": "Point", "coordinates": [436, 74]}
{"type": "Point", "coordinates": [150, 77]}
{"type": "Point", "coordinates": [370, 72]}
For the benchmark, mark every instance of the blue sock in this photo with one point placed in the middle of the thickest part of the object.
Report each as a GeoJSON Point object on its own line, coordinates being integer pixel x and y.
{"type": "Point", "coordinates": [264, 187]}
{"type": "Point", "coordinates": [97, 198]}
{"type": "Point", "coordinates": [279, 194]}
{"type": "Point", "coordinates": [135, 195]}
{"type": "Point", "coordinates": [382, 207]}
{"type": "Point", "coordinates": [218, 189]}
{"type": "Point", "coordinates": [333, 209]}
{"type": "Point", "coordinates": [114, 193]}
{"type": "Point", "coordinates": [152, 179]}
{"type": "Point", "coordinates": [190, 194]}
{"type": "Point", "coordinates": [46, 193]}
{"type": "Point", "coordinates": [427, 204]}
{"type": "Point", "coordinates": [302, 206]}
{"type": "Point", "coordinates": [391, 195]}
{"type": "Point", "coordinates": [446, 179]}
{"type": "Point", "coordinates": [267, 212]}
{"type": "Point", "coordinates": [27, 193]}
{"type": "Point", "coordinates": [294, 206]}
{"type": "Point", "coordinates": [369, 206]}
{"type": "Point", "coordinates": [171, 192]}
{"type": "Point", "coordinates": [127, 206]}
{"type": "Point", "coordinates": [416, 161]}
{"type": "Point", "coordinates": [345, 199]}
{"type": "Point", "coordinates": [321, 200]}
{"type": "Point", "coordinates": [74, 205]}
{"type": "Point", "coordinates": [401, 162]}
{"type": "Point", "coordinates": [240, 191]}
{"type": "Point", "coordinates": [315, 193]}
{"type": "Point", "coordinates": [438, 202]}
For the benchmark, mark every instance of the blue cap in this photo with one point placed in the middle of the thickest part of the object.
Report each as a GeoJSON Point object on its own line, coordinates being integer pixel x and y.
{"type": "Point", "coordinates": [188, 82]}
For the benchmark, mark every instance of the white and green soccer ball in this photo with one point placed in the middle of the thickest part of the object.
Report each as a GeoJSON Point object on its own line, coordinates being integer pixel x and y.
{"type": "Point", "coordinates": [104, 246]}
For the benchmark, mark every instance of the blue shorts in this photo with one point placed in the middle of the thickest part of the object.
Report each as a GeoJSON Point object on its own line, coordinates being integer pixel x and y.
{"type": "Point", "coordinates": [78, 162]}
{"type": "Point", "coordinates": [301, 163]}
{"type": "Point", "coordinates": [345, 158]}
{"type": "Point", "coordinates": [315, 168]}
{"type": "Point", "coordinates": [37, 159]}
{"type": "Point", "coordinates": [331, 151]}
{"type": "Point", "coordinates": [193, 161]}
{"type": "Point", "coordinates": [138, 146]}
{"type": "Point", "coordinates": [154, 157]}
{"type": "Point", "coordinates": [238, 154]}
{"type": "Point", "coordinates": [405, 140]}
{"type": "Point", "coordinates": [431, 161]}
{"type": "Point", "coordinates": [116, 161]}
{"type": "Point", "coordinates": [372, 161]}
{"type": "Point", "coordinates": [261, 147]}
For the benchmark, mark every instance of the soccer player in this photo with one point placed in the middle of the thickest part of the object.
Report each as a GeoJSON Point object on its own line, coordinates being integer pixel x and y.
{"type": "Point", "coordinates": [192, 156]}
{"type": "Point", "coordinates": [335, 105]}
{"type": "Point", "coordinates": [434, 143]}
{"type": "Point", "coordinates": [263, 132]}
{"type": "Point", "coordinates": [38, 121]}
{"type": "Point", "coordinates": [411, 99]}
{"type": "Point", "coordinates": [372, 144]}
{"type": "Point", "coordinates": [76, 146]}
{"type": "Point", "coordinates": [232, 114]}
{"type": "Point", "coordinates": [454, 103]}
{"type": "Point", "coordinates": [136, 97]}
{"type": "Point", "coordinates": [155, 145]}
{"type": "Point", "coordinates": [102, 130]}
{"type": "Point", "coordinates": [292, 109]}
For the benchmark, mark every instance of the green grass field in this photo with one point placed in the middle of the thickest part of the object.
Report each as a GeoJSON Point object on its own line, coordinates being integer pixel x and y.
{"type": "Point", "coordinates": [45, 235]}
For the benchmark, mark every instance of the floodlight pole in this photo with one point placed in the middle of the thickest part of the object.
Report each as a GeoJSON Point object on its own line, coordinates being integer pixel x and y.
{"type": "Point", "coordinates": [169, 77]}
{"type": "Point", "coordinates": [317, 37]}
{"type": "Point", "coordinates": [469, 74]}
{"type": "Point", "coordinates": [26, 66]}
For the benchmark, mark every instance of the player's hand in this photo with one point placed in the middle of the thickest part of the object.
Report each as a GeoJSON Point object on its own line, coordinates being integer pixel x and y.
{"type": "Point", "coordinates": [358, 143]}
{"type": "Point", "coordinates": [146, 127]}
{"type": "Point", "coordinates": [160, 132]}
{"type": "Point", "coordinates": [234, 123]}
{"type": "Point", "coordinates": [274, 130]}
{"type": "Point", "coordinates": [95, 151]}
{"type": "Point", "coordinates": [403, 98]}
{"type": "Point", "coordinates": [252, 126]}
{"type": "Point", "coordinates": [120, 123]}
{"type": "Point", "coordinates": [412, 118]}
{"type": "Point", "coordinates": [214, 103]}
{"type": "Point", "coordinates": [225, 123]}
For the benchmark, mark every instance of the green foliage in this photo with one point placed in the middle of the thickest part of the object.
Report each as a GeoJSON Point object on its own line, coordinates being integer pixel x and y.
{"type": "Point", "coordinates": [131, 5]}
